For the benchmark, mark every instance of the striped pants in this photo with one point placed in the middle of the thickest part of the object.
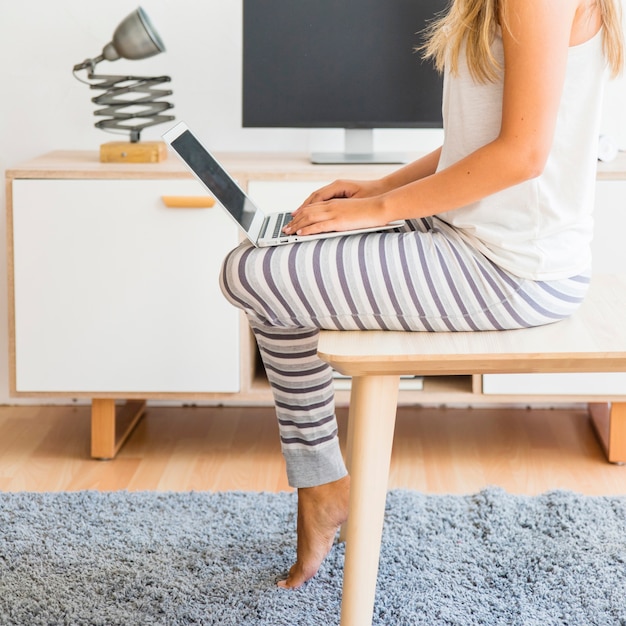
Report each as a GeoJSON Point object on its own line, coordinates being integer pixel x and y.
{"type": "Point", "coordinates": [425, 278]}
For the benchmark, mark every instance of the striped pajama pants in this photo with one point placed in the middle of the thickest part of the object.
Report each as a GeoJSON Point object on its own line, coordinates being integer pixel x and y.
{"type": "Point", "coordinates": [425, 278]}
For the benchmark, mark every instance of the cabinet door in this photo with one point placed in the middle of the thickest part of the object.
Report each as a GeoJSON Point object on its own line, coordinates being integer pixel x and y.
{"type": "Point", "coordinates": [281, 196]}
{"type": "Point", "coordinates": [114, 292]}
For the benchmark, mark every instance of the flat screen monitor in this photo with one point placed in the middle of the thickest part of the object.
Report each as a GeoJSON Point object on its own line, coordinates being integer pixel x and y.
{"type": "Point", "coordinates": [339, 64]}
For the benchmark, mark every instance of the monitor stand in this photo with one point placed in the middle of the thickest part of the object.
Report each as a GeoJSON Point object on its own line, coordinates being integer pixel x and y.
{"type": "Point", "coordinates": [359, 144]}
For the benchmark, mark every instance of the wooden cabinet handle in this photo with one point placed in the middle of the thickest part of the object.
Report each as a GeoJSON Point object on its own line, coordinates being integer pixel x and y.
{"type": "Point", "coordinates": [188, 202]}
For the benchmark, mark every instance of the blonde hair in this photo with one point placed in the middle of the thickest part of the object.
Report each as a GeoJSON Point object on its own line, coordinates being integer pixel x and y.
{"type": "Point", "coordinates": [613, 41]}
{"type": "Point", "coordinates": [473, 23]}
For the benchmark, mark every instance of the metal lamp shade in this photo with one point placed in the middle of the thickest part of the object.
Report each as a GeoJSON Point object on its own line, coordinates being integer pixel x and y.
{"type": "Point", "coordinates": [134, 38]}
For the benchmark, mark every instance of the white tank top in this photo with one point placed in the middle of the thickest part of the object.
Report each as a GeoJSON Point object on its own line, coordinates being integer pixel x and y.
{"type": "Point", "coordinates": [542, 228]}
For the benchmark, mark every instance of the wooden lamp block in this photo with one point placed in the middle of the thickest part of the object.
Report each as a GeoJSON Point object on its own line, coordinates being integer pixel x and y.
{"type": "Point", "coordinates": [127, 152]}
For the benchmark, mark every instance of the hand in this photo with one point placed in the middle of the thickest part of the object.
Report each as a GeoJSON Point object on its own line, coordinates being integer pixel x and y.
{"type": "Point", "coordinates": [337, 215]}
{"type": "Point", "coordinates": [346, 189]}
{"type": "Point", "coordinates": [342, 205]}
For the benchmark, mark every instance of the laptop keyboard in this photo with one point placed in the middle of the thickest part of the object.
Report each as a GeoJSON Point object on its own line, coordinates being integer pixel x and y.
{"type": "Point", "coordinates": [281, 221]}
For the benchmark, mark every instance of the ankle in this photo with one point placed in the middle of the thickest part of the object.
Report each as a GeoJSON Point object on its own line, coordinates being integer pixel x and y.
{"type": "Point", "coordinates": [333, 496]}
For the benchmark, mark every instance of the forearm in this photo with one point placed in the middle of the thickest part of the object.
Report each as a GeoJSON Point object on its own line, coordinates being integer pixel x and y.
{"type": "Point", "coordinates": [416, 170]}
{"type": "Point", "coordinates": [492, 168]}
{"type": "Point", "coordinates": [420, 168]}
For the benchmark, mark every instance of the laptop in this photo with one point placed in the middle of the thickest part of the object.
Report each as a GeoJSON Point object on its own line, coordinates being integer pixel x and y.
{"type": "Point", "coordinates": [262, 229]}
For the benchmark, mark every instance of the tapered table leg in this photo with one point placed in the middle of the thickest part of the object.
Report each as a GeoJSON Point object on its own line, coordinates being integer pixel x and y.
{"type": "Point", "coordinates": [373, 404]}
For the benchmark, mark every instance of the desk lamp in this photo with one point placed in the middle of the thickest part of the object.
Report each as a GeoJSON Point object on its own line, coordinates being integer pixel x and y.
{"type": "Point", "coordinates": [131, 103]}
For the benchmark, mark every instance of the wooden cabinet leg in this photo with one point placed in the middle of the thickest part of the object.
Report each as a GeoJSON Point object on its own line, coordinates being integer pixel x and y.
{"type": "Point", "coordinates": [609, 422]}
{"type": "Point", "coordinates": [111, 425]}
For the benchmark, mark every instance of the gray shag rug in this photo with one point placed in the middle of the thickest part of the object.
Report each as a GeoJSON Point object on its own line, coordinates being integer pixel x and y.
{"type": "Point", "coordinates": [213, 558]}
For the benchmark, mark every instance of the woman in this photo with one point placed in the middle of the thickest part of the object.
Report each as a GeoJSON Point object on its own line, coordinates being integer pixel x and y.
{"type": "Point", "coordinates": [498, 226]}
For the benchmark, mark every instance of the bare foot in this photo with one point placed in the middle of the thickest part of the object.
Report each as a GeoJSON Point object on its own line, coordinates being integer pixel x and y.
{"type": "Point", "coordinates": [321, 511]}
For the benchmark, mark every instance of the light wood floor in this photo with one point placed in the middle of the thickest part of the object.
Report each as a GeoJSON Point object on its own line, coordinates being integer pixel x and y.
{"type": "Point", "coordinates": [179, 449]}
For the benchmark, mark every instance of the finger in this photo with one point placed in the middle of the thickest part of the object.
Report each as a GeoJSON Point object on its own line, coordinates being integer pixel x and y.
{"type": "Point", "coordinates": [316, 228]}
{"type": "Point", "coordinates": [337, 189]}
{"type": "Point", "coordinates": [317, 196]}
{"type": "Point", "coordinates": [308, 215]}
{"type": "Point", "coordinates": [299, 223]}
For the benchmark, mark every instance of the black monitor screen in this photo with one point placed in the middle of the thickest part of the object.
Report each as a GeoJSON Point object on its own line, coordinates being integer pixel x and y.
{"type": "Point", "coordinates": [338, 63]}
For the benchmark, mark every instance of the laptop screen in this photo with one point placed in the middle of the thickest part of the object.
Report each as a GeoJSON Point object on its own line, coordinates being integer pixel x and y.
{"type": "Point", "coordinates": [209, 171]}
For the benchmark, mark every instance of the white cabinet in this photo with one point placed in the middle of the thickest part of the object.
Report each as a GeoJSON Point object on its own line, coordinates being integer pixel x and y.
{"type": "Point", "coordinates": [114, 292]}
{"type": "Point", "coordinates": [589, 384]}
{"type": "Point", "coordinates": [112, 295]}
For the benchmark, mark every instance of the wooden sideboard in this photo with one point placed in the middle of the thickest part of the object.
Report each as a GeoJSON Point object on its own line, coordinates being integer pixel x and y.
{"type": "Point", "coordinates": [114, 297]}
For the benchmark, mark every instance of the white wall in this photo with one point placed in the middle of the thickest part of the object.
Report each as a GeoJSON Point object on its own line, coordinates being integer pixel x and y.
{"type": "Point", "coordinates": [43, 108]}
